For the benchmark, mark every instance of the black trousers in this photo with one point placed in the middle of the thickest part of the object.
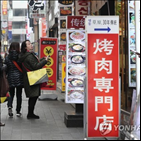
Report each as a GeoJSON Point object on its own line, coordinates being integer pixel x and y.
{"type": "Point", "coordinates": [19, 98]}
{"type": "Point", "coordinates": [31, 105]}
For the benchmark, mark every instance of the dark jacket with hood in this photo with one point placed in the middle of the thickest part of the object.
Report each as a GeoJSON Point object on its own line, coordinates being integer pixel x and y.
{"type": "Point", "coordinates": [14, 76]}
{"type": "Point", "coordinates": [31, 62]}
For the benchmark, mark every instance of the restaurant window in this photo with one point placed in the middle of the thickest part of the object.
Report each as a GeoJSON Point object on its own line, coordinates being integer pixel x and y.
{"type": "Point", "coordinates": [19, 12]}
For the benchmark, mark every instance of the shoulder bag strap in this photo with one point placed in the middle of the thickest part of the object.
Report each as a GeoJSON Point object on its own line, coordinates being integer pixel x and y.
{"type": "Point", "coordinates": [15, 63]}
{"type": "Point", "coordinates": [25, 67]}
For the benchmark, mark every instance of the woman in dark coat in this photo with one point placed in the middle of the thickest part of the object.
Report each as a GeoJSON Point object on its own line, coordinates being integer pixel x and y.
{"type": "Point", "coordinates": [31, 62]}
{"type": "Point", "coordinates": [15, 78]}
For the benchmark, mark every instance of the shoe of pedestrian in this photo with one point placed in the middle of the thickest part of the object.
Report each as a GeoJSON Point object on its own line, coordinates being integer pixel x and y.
{"type": "Point", "coordinates": [33, 116]}
{"type": "Point", "coordinates": [2, 124]}
{"type": "Point", "coordinates": [18, 114]}
{"type": "Point", "coordinates": [10, 113]}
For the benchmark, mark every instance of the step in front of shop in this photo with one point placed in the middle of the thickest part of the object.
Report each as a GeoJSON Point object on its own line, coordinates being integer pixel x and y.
{"type": "Point", "coordinates": [72, 119]}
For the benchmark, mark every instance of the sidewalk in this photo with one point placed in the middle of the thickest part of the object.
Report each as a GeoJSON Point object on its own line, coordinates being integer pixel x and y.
{"type": "Point", "coordinates": [50, 126]}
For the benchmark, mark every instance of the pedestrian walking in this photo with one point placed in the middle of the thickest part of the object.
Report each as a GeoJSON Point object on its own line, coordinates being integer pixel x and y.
{"type": "Point", "coordinates": [15, 78]}
{"type": "Point", "coordinates": [31, 62]}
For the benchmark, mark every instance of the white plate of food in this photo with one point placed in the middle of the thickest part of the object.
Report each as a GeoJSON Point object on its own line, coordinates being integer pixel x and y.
{"type": "Point", "coordinates": [76, 95]}
{"type": "Point", "coordinates": [77, 71]}
{"type": "Point", "coordinates": [75, 82]}
{"type": "Point", "coordinates": [77, 59]}
{"type": "Point", "coordinates": [77, 36]}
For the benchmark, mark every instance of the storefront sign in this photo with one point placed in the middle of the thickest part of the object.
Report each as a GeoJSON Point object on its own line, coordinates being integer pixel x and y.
{"type": "Point", "coordinates": [36, 15]}
{"type": "Point", "coordinates": [4, 7]}
{"type": "Point", "coordinates": [82, 7]}
{"type": "Point", "coordinates": [63, 73]}
{"type": "Point", "coordinates": [44, 27]}
{"type": "Point", "coordinates": [103, 98]}
{"type": "Point", "coordinates": [62, 47]}
{"type": "Point", "coordinates": [75, 22]}
{"type": "Point", "coordinates": [76, 67]}
{"type": "Point", "coordinates": [48, 46]}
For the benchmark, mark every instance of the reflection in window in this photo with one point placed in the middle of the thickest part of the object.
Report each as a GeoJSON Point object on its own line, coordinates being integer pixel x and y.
{"type": "Point", "coordinates": [18, 25]}
{"type": "Point", "coordinates": [18, 38]}
{"type": "Point", "coordinates": [19, 12]}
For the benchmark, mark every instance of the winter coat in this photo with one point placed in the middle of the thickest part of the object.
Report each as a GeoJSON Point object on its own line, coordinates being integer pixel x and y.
{"type": "Point", "coordinates": [14, 76]}
{"type": "Point", "coordinates": [0, 65]}
{"type": "Point", "coordinates": [31, 62]}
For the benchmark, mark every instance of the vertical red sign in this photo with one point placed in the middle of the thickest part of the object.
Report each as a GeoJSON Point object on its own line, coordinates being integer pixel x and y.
{"type": "Point", "coordinates": [103, 85]}
{"type": "Point", "coordinates": [103, 91]}
{"type": "Point", "coordinates": [48, 46]}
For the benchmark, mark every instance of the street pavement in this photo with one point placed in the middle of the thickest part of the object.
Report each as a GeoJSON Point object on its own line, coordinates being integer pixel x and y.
{"type": "Point", "coordinates": [50, 126]}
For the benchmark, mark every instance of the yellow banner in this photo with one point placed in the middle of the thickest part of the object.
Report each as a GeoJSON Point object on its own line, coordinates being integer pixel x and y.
{"type": "Point", "coordinates": [63, 76]}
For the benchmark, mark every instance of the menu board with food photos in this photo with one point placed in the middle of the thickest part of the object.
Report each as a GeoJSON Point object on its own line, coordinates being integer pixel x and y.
{"type": "Point", "coordinates": [65, 9]}
{"type": "Point", "coordinates": [132, 42]}
{"type": "Point", "coordinates": [76, 66]}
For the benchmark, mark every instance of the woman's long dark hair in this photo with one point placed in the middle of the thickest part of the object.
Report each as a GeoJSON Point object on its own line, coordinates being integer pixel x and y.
{"type": "Point", "coordinates": [15, 46]}
{"type": "Point", "coordinates": [23, 47]}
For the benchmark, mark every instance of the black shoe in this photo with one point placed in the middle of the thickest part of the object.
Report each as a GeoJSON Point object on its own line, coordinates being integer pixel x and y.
{"type": "Point", "coordinates": [33, 116]}
{"type": "Point", "coordinates": [10, 113]}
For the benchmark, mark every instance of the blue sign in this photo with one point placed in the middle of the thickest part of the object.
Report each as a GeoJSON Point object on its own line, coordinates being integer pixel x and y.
{"type": "Point", "coordinates": [9, 35]}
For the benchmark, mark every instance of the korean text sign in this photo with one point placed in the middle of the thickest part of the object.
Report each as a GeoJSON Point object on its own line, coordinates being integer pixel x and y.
{"type": "Point", "coordinates": [48, 46]}
{"type": "Point", "coordinates": [103, 76]}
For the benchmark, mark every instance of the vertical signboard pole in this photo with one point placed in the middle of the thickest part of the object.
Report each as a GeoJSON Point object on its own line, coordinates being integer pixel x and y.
{"type": "Point", "coordinates": [103, 95]}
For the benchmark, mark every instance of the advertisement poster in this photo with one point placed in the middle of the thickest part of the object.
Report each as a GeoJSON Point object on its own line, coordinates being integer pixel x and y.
{"type": "Point", "coordinates": [63, 73]}
{"type": "Point", "coordinates": [48, 46]}
{"type": "Point", "coordinates": [103, 95]}
{"type": "Point", "coordinates": [76, 67]}
{"type": "Point", "coordinates": [132, 43]}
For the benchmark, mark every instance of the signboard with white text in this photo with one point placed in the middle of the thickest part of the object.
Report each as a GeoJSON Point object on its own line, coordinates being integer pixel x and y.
{"type": "Point", "coordinates": [103, 98]}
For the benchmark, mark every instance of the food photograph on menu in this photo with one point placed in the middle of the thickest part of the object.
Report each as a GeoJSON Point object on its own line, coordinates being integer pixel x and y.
{"type": "Point", "coordinates": [133, 75]}
{"type": "Point", "coordinates": [75, 82]}
{"type": "Point", "coordinates": [132, 57]}
{"type": "Point", "coordinates": [132, 19]}
{"type": "Point", "coordinates": [65, 11]}
{"type": "Point", "coordinates": [77, 36]}
{"type": "Point", "coordinates": [76, 96]}
{"type": "Point", "coordinates": [131, 5]}
{"type": "Point", "coordinates": [76, 71]}
{"type": "Point", "coordinates": [63, 36]}
{"type": "Point", "coordinates": [63, 24]}
{"type": "Point", "coordinates": [76, 59]}
{"type": "Point", "coordinates": [132, 37]}
{"type": "Point", "coordinates": [76, 47]}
